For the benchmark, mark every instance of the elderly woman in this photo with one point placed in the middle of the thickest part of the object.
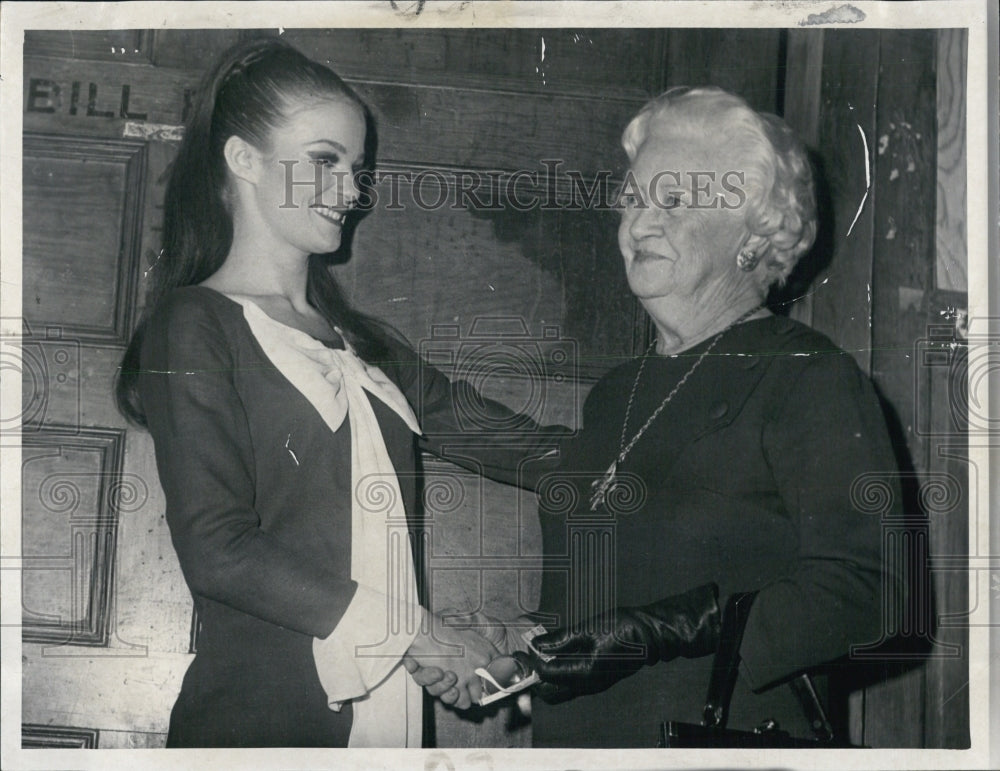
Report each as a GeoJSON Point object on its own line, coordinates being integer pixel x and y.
{"type": "Point", "coordinates": [719, 463]}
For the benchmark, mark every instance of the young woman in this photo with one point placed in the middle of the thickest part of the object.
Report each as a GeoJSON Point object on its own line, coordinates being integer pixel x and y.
{"type": "Point", "coordinates": [284, 432]}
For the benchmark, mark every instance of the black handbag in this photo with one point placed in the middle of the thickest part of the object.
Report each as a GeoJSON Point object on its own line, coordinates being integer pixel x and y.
{"type": "Point", "coordinates": [712, 731]}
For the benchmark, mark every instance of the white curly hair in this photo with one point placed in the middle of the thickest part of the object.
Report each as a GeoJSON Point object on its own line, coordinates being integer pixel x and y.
{"type": "Point", "coordinates": [781, 199]}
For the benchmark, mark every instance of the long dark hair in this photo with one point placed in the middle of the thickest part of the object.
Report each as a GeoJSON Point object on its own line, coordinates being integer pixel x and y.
{"type": "Point", "coordinates": [246, 94]}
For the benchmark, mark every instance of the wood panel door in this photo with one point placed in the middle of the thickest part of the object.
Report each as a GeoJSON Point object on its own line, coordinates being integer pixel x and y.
{"type": "Point", "coordinates": [885, 111]}
{"type": "Point", "coordinates": [477, 252]}
{"type": "Point", "coordinates": [106, 615]}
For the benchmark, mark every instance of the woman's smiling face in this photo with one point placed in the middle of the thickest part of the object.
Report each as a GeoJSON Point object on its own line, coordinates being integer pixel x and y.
{"type": "Point", "coordinates": [307, 184]}
{"type": "Point", "coordinates": [683, 218]}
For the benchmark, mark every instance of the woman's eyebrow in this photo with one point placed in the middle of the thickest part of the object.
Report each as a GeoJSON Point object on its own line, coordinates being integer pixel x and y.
{"type": "Point", "coordinates": [336, 145]}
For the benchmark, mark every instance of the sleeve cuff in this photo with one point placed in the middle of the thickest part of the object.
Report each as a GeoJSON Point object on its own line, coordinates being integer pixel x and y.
{"type": "Point", "coordinates": [366, 645]}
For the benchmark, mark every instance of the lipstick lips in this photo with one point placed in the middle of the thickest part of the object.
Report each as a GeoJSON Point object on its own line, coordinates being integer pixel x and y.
{"type": "Point", "coordinates": [334, 216]}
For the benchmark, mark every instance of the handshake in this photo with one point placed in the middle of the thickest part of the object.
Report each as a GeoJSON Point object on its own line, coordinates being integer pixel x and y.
{"type": "Point", "coordinates": [472, 658]}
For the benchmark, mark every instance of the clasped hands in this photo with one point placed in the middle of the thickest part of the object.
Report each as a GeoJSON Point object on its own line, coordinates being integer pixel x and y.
{"type": "Point", "coordinates": [443, 660]}
{"type": "Point", "coordinates": [586, 658]}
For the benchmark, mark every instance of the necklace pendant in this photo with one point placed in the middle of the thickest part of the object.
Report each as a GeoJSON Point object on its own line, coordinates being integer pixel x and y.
{"type": "Point", "coordinates": [601, 486]}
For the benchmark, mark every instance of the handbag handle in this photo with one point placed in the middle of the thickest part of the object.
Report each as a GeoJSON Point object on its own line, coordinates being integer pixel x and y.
{"type": "Point", "coordinates": [725, 665]}
{"type": "Point", "coordinates": [725, 669]}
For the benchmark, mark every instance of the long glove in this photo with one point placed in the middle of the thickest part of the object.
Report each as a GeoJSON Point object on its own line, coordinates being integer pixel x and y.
{"type": "Point", "coordinates": [614, 645]}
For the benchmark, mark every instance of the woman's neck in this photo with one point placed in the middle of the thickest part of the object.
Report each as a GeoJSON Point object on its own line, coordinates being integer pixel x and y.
{"type": "Point", "coordinates": [252, 270]}
{"type": "Point", "coordinates": [680, 326]}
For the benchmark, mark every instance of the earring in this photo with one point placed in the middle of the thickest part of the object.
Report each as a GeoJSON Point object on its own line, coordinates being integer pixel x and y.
{"type": "Point", "coordinates": [747, 260]}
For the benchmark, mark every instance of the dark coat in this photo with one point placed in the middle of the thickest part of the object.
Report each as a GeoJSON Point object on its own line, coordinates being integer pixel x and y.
{"type": "Point", "coordinates": [745, 479]}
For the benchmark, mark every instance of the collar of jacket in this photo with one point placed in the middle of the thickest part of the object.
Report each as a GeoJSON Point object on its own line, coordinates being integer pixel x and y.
{"type": "Point", "coordinates": [718, 391]}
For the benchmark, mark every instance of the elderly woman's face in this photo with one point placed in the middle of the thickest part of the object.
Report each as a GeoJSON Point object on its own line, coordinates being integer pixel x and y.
{"type": "Point", "coordinates": [683, 220]}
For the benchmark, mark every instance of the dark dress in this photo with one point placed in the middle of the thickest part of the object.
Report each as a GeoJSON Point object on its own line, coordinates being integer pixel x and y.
{"type": "Point", "coordinates": [744, 479]}
{"type": "Point", "coordinates": [258, 503]}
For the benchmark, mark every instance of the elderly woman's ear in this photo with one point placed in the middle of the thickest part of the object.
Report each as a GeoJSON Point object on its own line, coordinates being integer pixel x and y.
{"type": "Point", "coordinates": [753, 258]}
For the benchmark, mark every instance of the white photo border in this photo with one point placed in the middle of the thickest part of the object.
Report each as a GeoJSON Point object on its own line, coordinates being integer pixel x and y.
{"type": "Point", "coordinates": [979, 17]}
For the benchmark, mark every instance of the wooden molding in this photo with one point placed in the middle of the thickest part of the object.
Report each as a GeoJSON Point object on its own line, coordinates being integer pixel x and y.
{"type": "Point", "coordinates": [951, 238]}
{"type": "Point", "coordinates": [610, 64]}
{"type": "Point", "coordinates": [189, 49]}
{"type": "Point", "coordinates": [122, 45]}
{"type": "Point", "coordinates": [132, 156]}
{"type": "Point", "coordinates": [92, 532]}
{"type": "Point", "coordinates": [195, 631]}
{"type": "Point", "coordinates": [35, 736]}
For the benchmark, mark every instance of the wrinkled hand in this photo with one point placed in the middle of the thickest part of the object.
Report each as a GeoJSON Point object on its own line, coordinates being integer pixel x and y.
{"type": "Point", "coordinates": [506, 638]}
{"type": "Point", "coordinates": [444, 662]}
{"type": "Point", "coordinates": [617, 644]}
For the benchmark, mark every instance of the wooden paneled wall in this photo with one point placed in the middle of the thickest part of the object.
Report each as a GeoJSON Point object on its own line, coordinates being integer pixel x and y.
{"type": "Point", "coordinates": [948, 406]}
{"type": "Point", "coordinates": [887, 294]}
{"type": "Point", "coordinates": [952, 252]}
{"type": "Point", "coordinates": [106, 612]}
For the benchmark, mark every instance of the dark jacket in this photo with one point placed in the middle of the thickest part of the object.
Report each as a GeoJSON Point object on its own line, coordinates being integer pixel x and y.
{"type": "Point", "coordinates": [745, 479]}
{"type": "Point", "coordinates": [258, 502]}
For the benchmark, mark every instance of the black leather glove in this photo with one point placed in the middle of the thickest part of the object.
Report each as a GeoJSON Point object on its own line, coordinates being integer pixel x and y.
{"type": "Point", "coordinates": [614, 645]}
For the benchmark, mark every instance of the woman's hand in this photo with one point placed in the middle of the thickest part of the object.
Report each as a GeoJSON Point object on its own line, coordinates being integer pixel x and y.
{"type": "Point", "coordinates": [504, 635]}
{"type": "Point", "coordinates": [615, 645]}
{"type": "Point", "coordinates": [455, 653]}
{"type": "Point", "coordinates": [434, 680]}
